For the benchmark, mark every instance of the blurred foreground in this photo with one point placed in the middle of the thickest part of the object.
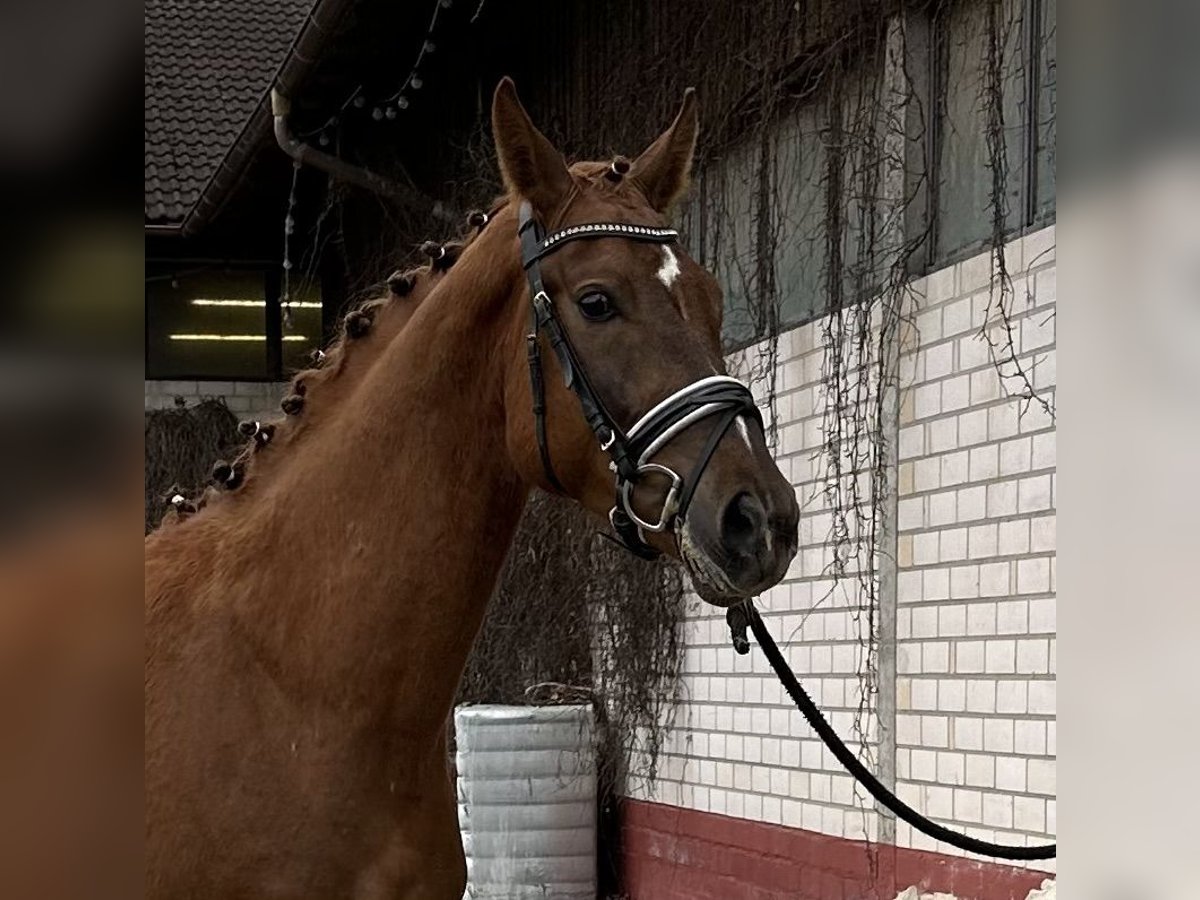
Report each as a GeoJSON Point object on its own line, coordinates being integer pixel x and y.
{"type": "Point", "coordinates": [70, 451]}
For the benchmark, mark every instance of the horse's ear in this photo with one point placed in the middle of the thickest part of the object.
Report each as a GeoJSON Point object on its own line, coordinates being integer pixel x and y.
{"type": "Point", "coordinates": [531, 167]}
{"type": "Point", "coordinates": [664, 168]}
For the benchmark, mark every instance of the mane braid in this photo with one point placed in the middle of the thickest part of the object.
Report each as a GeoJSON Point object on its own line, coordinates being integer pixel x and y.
{"type": "Point", "coordinates": [369, 326]}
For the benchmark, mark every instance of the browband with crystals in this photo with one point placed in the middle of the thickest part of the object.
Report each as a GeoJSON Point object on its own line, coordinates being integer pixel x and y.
{"type": "Point", "coordinates": [555, 240]}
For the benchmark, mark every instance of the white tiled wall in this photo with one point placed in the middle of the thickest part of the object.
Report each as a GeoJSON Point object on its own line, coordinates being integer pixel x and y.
{"type": "Point", "coordinates": [975, 679]}
{"type": "Point", "coordinates": [974, 675]}
{"type": "Point", "coordinates": [246, 399]}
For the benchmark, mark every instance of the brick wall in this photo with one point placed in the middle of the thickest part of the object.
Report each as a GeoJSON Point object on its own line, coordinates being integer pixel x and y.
{"type": "Point", "coordinates": [247, 399]}
{"type": "Point", "coordinates": [971, 734]}
{"type": "Point", "coordinates": [975, 663]}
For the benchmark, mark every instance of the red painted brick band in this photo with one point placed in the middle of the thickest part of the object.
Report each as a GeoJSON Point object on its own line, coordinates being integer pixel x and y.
{"type": "Point", "coordinates": [672, 853]}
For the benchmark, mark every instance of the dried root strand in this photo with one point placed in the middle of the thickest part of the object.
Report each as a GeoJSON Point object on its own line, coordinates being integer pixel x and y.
{"type": "Point", "coordinates": [180, 448]}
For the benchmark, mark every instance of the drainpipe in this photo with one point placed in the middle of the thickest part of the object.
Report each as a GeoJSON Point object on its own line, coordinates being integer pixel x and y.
{"type": "Point", "coordinates": [307, 155]}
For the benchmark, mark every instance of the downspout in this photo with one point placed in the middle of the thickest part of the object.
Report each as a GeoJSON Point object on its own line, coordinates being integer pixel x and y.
{"type": "Point", "coordinates": [307, 155]}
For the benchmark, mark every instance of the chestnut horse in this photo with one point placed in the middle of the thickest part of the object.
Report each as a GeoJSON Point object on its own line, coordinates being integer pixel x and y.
{"type": "Point", "coordinates": [305, 634]}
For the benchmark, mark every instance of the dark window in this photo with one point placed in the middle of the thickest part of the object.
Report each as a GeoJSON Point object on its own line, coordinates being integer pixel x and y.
{"type": "Point", "coordinates": [963, 175]}
{"type": "Point", "coordinates": [301, 330]}
{"type": "Point", "coordinates": [227, 324]}
{"type": "Point", "coordinates": [1045, 50]}
{"type": "Point", "coordinates": [720, 226]}
{"type": "Point", "coordinates": [800, 217]}
{"type": "Point", "coordinates": [760, 216]}
{"type": "Point", "coordinates": [761, 212]}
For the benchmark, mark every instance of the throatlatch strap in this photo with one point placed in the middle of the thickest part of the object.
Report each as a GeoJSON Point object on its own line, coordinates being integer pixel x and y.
{"type": "Point", "coordinates": [538, 389]}
{"type": "Point", "coordinates": [530, 237]}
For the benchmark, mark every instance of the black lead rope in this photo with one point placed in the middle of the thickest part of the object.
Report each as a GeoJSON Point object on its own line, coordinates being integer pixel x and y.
{"type": "Point", "coordinates": [745, 614]}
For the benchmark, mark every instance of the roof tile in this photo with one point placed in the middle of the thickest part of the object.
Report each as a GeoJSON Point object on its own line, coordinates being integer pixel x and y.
{"type": "Point", "coordinates": [208, 64]}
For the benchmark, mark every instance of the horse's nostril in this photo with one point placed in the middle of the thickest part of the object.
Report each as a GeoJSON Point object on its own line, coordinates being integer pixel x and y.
{"type": "Point", "coordinates": [743, 523]}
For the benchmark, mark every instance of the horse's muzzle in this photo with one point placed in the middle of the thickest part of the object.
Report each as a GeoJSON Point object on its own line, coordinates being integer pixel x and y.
{"type": "Point", "coordinates": [745, 548]}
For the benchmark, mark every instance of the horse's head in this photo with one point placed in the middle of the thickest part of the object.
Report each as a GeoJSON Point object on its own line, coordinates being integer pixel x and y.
{"type": "Point", "coordinates": [636, 323]}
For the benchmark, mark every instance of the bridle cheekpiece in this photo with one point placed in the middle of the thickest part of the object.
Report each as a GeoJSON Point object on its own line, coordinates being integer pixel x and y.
{"type": "Point", "coordinates": [631, 452]}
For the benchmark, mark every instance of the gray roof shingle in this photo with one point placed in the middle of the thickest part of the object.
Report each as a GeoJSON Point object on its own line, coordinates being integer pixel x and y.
{"type": "Point", "coordinates": [208, 65]}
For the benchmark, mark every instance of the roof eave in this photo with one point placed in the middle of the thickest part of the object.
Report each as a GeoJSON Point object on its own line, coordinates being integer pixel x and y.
{"type": "Point", "coordinates": [311, 40]}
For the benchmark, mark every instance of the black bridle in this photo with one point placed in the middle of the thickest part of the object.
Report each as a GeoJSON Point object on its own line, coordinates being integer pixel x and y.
{"type": "Point", "coordinates": [630, 451]}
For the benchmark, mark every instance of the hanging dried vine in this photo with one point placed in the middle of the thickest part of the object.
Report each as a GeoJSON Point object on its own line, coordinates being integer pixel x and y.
{"type": "Point", "coordinates": [181, 444]}
{"type": "Point", "coordinates": [999, 330]}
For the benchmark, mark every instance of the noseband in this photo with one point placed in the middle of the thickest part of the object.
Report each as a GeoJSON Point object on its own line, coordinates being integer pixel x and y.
{"type": "Point", "coordinates": [630, 451]}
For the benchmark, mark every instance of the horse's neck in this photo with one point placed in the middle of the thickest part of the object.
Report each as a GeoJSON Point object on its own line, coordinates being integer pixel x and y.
{"type": "Point", "coordinates": [383, 540]}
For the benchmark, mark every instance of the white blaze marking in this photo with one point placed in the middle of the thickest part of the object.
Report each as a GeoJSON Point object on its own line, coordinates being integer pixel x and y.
{"type": "Point", "coordinates": [669, 270]}
{"type": "Point", "coordinates": [743, 431]}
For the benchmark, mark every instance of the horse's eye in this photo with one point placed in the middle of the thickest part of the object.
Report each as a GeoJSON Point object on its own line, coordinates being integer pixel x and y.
{"type": "Point", "coordinates": [596, 306]}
